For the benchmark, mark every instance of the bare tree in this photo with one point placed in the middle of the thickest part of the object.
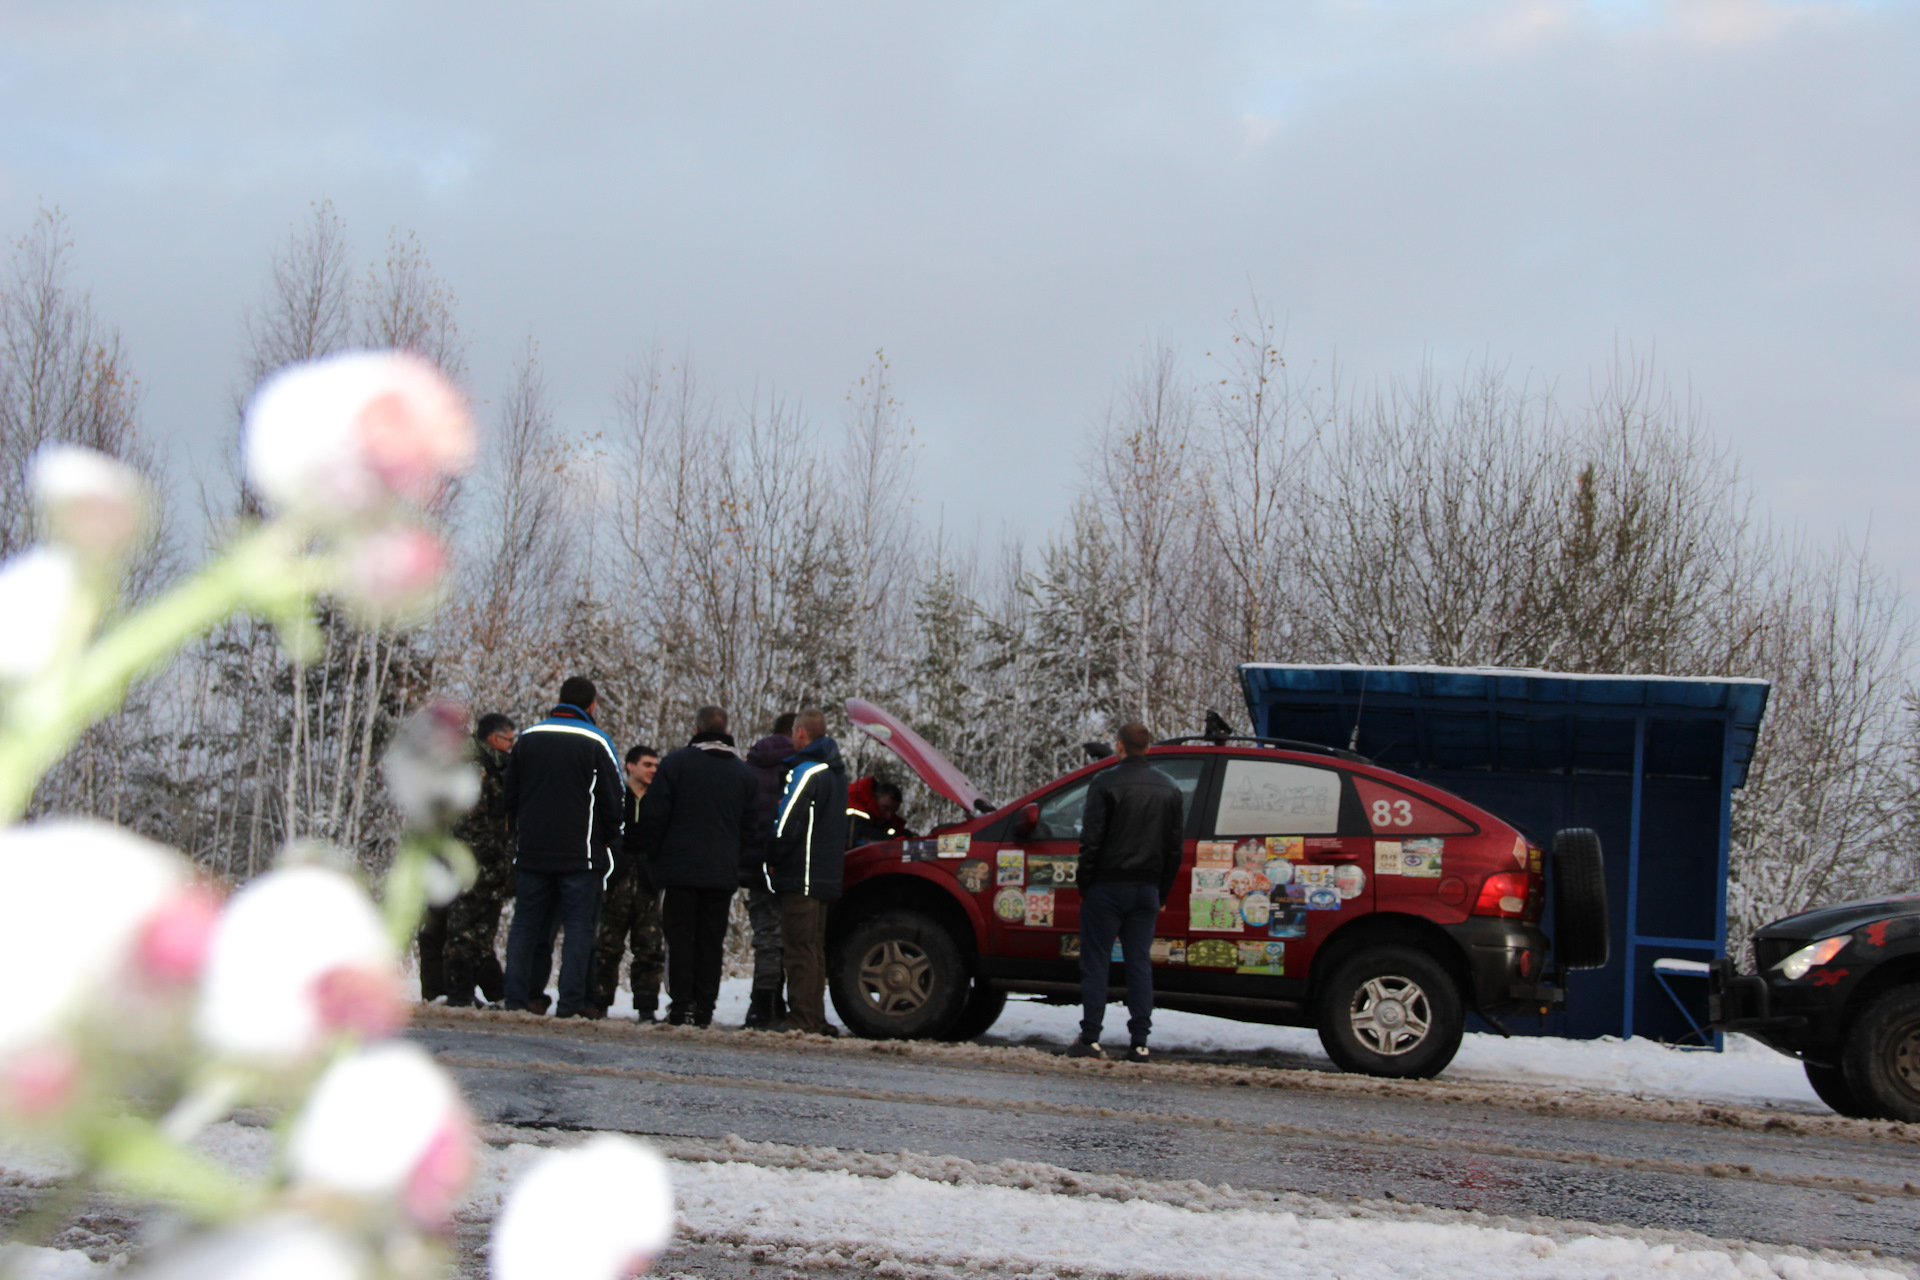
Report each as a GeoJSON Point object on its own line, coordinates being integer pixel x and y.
{"type": "Point", "coordinates": [63, 376]}
{"type": "Point", "coordinates": [1141, 472]}
{"type": "Point", "coordinates": [65, 379]}
{"type": "Point", "coordinates": [877, 467]}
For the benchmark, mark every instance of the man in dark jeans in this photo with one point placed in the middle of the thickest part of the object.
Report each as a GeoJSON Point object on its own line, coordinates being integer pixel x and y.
{"type": "Point", "coordinates": [696, 819]}
{"type": "Point", "coordinates": [562, 786]}
{"type": "Point", "coordinates": [1129, 856]}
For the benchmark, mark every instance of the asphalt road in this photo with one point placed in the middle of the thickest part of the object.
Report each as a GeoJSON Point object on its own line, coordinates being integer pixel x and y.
{"type": "Point", "coordinates": [1840, 1191]}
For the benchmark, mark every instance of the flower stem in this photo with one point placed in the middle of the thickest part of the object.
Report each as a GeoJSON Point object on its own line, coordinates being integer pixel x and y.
{"type": "Point", "coordinates": [262, 571]}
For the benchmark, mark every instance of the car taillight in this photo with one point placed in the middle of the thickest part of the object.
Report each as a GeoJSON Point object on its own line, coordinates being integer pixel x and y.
{"type": "Point", "coordinates": [1504, 894]}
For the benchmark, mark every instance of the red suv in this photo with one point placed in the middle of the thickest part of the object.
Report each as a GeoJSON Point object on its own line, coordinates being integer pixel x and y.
{"type": "Point", "coordinates": [1315, 890]}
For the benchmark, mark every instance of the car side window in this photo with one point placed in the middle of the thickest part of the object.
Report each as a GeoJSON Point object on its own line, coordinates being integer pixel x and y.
{"type": "Point", "coordinates": [1061, 812]}
{"type": "Point", "coordinates": [1263, 797]}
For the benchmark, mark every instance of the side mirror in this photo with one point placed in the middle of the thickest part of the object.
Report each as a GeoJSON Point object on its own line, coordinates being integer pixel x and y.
{"type": "Point", "coordinates": [1027, 822]}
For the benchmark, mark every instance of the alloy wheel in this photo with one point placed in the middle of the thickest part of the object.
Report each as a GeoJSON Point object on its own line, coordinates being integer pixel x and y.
{"type": "Point", "coordinates": [1390, 1015]}
{"type": "Point", "coordinates": [896, 977]}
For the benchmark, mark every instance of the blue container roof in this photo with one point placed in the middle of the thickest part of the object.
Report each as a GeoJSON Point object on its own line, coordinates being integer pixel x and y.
{"type": "Point", "coordinates": [1510, 720]}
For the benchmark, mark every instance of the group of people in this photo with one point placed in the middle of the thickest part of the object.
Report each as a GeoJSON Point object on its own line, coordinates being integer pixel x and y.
{"type": "Point", "coordinates": [645, 854]}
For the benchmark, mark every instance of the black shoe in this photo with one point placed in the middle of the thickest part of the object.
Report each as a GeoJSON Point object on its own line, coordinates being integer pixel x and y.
{"type": "Point", "coordinates": [454, 1002]}
{"type": "Point", "coordinates": [703, 1018]}
{"type": "Point", "coordinates": [645, 1019]}
{"type": "Point", "coordinates": [777, 1021]}
{"type": "Point", "coordinates": [540, 1003]}
{"type": "Point", "coordinates": [759, 1011]}
{"type": "Point", "coordinates": [1136, 1053]}
{"type": "Point", "coordinates": [1080, 1048]}
{"type": "Point", "coordinates": [678, 1017]}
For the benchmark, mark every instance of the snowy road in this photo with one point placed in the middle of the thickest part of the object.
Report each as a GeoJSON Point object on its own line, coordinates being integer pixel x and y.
{"type": "Point", "coordinates": [1827, 1184]}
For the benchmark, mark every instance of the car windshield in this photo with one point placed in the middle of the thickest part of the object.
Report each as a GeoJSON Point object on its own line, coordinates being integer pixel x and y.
{"type": "Point", "coordinates": [1060, 813]}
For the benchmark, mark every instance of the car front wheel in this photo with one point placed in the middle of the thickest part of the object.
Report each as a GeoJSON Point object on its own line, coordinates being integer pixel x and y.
{"type": "Point", "coordinates": [1830, 1084]}
{"type": "Point", "coordinates": [1881, 1057]}
{"type": "Point", "coordinates": [899, 976]}
{"type": "Point", "coordinates": [1391, 1011]}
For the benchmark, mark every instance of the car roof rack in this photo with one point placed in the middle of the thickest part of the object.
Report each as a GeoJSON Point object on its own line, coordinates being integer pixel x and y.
{"type": "Point", "coordinates": [1288, 744]}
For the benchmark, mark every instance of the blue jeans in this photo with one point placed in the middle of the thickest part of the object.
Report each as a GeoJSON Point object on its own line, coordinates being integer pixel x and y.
{"type": "Point", "coordinates": [544, 901]}
{"type": "Point", "coordinates": [1126, 911]}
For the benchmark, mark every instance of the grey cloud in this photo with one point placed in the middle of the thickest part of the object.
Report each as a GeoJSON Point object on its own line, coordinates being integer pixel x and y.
{"type": "Point", "coordinates": [1012, 199]}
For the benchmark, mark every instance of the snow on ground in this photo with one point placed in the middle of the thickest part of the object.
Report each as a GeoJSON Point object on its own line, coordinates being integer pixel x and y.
{"type": "Point", "coordinates": [31, 1262]}
{"type": "Point", "coordinates": [904, 1219]}
{"type": "Point", "coordinates": [889, 1220]}
{"type": "Point", "coordinates": [1748, 1073]}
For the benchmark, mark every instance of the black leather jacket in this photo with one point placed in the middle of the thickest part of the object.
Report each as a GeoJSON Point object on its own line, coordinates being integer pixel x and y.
{"type": "Point", "coordinates": [1130, 831]}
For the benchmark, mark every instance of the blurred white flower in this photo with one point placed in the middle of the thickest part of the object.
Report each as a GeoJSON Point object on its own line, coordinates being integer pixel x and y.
{"type": "Point", "coordinates": [285, 1247]}
{"type": "Point", "coordinates": [39, 1081]}
{"type": "Point", "coordinates": [38, 591]}
{"type": "Point", "coordinates": [430, 771]}
{"type": "Point", "coordinates": [387, 1121]}
{"type": "Point", "coordinates": [338, 439]}
{"type": "Point", "coordinates": [78, 897]}
{"type": "Point", "coordinates": [394, 570]}
{"type": "Point", "coordinates": [174, 943]}
{"type": "Point", "coordinates": [298, 953]}
{"type": "Point", "coordinates": [601, 1211]}
{"type": "Point", "coordinates": [92, 503]}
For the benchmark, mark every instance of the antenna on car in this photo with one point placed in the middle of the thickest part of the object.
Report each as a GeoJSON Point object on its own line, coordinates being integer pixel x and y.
{"type": "Point", "coordinates": [1353, 741]}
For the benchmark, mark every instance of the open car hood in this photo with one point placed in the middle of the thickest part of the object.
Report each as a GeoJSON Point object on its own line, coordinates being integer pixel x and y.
{"type": "Point", "coordinates": [921, 756]}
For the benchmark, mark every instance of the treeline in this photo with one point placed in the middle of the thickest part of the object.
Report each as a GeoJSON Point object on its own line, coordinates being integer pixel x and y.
{"type": "Point", "coordinates": [1230, 507]}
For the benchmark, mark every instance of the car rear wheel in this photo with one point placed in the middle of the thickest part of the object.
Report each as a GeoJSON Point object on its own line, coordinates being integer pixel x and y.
{"type": "Point", "coordinates": [1830, 1083]}
{"type": "Point", "coordinates": [1391, 1011]}
{"type": "Point", "coordinates": [985, 1003]}
{"type": "Point", "coordinates": [1881, 1057]}
{"type": "Point", "coordinates": [899, 976]}
{"type": "Point", "coordinates": [1579, 899]}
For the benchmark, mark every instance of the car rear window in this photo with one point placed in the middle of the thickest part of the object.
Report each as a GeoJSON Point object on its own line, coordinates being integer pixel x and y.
{"type": "Point", "coordinates": [1259, 797]}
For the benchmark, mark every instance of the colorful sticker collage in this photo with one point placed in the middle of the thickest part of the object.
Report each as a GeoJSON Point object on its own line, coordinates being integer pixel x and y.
{"type": "Point", "coordinates": [1421, 858]}
{"type": "Point", "coordinates": [1265, 885]}
{"type": "Point", "coordinates": [1165, 950]}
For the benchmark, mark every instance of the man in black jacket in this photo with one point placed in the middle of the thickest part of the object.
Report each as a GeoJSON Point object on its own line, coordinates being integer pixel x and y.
{"type": "Point", "coordinates": [562, 787]}
{"type": "Point", "coordinates": [697, 818]}
{"type": "Point", "coordinates": [766, 1007]}
{"type": "Point", "coordinates": [1129, 855]}
{"type": "Point", "coordinates": [804, 864]}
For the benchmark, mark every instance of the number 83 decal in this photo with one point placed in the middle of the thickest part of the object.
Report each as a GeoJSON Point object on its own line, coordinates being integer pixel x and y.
{"type": "Point", "coordinates": [1392, 813]}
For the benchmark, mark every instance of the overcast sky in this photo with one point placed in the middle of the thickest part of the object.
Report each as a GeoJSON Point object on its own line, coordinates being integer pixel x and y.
{"type": "Point", "coordinates": [1014, 199]}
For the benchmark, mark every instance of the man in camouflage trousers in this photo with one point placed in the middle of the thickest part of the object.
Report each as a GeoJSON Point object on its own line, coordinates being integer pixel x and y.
{"type": "Point", "coordinates": [473, 918]}
{"type": "Point", "coordinates": [630, 910]}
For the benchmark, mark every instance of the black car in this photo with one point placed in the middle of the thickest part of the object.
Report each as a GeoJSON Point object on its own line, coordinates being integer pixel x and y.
{"type": "Point", "coordinates": [1839, 989]}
